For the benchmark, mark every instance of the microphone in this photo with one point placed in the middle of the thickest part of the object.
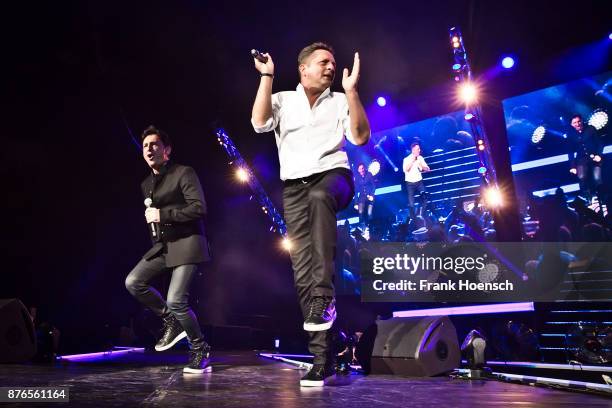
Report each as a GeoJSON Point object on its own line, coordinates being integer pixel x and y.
{"type": "Point", "coordinates": [259, 56]}
{"type": "Point", "coordinates": [148, 203]}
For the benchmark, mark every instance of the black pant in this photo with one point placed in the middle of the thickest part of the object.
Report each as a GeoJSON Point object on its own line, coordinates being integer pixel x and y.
{"type": "Point", "coordinates": [412, 188]}
{"type": "Point", "coordinates": [589, 176]}
{"type": "Point", "coordinates": [310, 207]}
{"type": "Point", "coordinates": [365, 208]}
{"type": "Point", "coordinates": [137, 283]}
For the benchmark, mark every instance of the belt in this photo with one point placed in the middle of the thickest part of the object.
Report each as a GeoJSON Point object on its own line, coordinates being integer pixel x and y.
{"type": "Point", "coordinates": [312, 177]}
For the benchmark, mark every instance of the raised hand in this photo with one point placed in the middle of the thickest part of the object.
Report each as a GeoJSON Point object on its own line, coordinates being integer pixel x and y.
{"type": "Point", "coordinates": [265, 68]}
{"type": "Point", "coordinates": [349, 82]}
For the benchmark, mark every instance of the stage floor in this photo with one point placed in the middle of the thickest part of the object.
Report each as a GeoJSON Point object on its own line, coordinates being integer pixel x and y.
{"type": "Point", "coordinates": [242, 379]}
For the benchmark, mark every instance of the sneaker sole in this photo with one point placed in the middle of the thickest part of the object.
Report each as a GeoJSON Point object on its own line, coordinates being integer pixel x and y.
{"type": "Point", "coordinates": [188, 370]}
{"type": "Point", "coordinates": [178, 338]}
{"type": "Point", "coordinates": [311, 383]}
{"type": "Point", "coordinates": [319, 327]}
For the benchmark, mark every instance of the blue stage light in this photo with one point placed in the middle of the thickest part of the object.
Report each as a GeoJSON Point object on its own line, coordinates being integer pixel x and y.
{"type": "Point", "coordinates": [381, 101]}
{"type": "Point", "coordinates": [508, 62]}
{"type": "Point", "coordinates": [538, 134]}
{"type": "Point", "coordinates": [610, 36]}
{"type": "Point", "coordinates": [456, 67]}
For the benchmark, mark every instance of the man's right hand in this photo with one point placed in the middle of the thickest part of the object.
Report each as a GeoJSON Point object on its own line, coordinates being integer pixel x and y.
{"type": "Point", "coordinates": [573, 171]}
{"type": "Point", "coordinates": [267, 68]}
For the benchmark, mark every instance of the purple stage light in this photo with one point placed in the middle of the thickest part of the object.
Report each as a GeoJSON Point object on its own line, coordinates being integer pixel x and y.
{"type": "Point", "coordinates": [381, 101]}
{"type": "Point", "coordinates": [101, 355]}
{"type": "Point", "coordinates": [468, 310]}
{"type": "Point", "coordinates": [508, 62]}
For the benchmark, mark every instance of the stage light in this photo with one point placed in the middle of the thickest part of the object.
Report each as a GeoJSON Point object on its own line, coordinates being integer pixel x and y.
{"type": "Point", "coordinates": [286, 244]}
{"type": "Point", "coordinates": [456, 67]}
{"type": "Point", "coordinates": [507, 62]}
{"type": "Point", "coordinates": [481, 147]}
{"type": "Point", "coordinates": [242, 175]}
{"type": "Point", "coordinates": [374, 167]}
{"type": "Point", "coordinates": [538, 134]}
{"type": "Point", "coordinates": [469, 116]}
{"type": "Point", "coordinates": [482, 170]}
{"type": "Point", "coordinates": [599, 119]}
{"type": "Point", "coordinates": [467, 93]}
{"type": "Point", "coordinates": [381, 101]}
{"type": "Point", "coordinates": [610, 36]}
{"type": "Point", "coordinates": [493, 197]}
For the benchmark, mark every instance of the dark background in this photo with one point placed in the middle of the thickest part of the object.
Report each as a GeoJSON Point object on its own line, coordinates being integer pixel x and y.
{"type": "Point", "coordinates": [82, 79]}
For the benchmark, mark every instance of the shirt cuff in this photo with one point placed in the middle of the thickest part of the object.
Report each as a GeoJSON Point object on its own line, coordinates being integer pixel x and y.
{"type": "Point", "coordinates": [266, 126]}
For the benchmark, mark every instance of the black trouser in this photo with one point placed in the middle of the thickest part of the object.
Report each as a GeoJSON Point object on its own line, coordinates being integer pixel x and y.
{"type": "Point", "coordinates": [137, 283]}
{"type": "Point", "coordinates": [412, 188]}
{"type": "Point", "coordinates": [589, 176]}
{"type": "Point", "coordinates": [365, 208]}
{"type": "Point", "coordinates": [310, 207]}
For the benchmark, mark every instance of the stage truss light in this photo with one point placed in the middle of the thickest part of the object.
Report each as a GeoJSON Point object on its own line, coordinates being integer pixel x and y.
{"type": "Point", "coordinates": [242, 175]}
{"type": "Point", "coordinates": [381, 101]}
{"type": "Point", "coordinates": [469, 117]}
{"type": "Point", "coordinates": [286, 244]}
{"type": "Point", "coordinates": [493, 197]}
{"type": "Point", "coordinates": [482, 170]}
{"type": "Point", "coordinates": [468, 93]}
{"type": "Point", "coordinates": [599, 119]}
{"type": "Point", "coordinates": [538, 134]}
{"type": "Point", "coordinates": [374, 167]}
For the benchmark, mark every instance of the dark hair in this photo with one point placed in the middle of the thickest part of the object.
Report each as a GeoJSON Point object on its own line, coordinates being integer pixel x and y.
{"type": "Point", "coordinates": [152, 130]}
{"type": "Point", "coordinates": [309, 49]}
{"type": "Point", "coordinates": [414, 144]}
{"type": "Point", "coordinates": [576, 115]}
{"type": "Point", "coordinates": [360, 164]}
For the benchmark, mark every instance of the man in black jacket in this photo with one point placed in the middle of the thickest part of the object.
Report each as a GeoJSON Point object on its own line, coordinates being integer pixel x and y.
{"type": "Point", "coordinates": [175, 210]}
{"type": "Point", "coordinates": [364, 190]}
{"type": "Point", "coordinates": [585, 156]}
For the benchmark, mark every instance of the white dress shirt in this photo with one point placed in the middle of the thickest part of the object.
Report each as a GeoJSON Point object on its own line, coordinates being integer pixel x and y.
{"type": "Point", "coordinates": [309, 140]}
{"type": "Point", "coordinates": [414, 174]}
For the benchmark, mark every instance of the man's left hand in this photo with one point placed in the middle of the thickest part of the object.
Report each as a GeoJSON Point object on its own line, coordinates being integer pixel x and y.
{"type": "Point", "coordinates": [597, 158]}
{"type": "Point", "coordinates": [349, 82]}
{"type": "Point", "coordinates": [371, 198]}
{"type": "Point", "coordinates": [152, 215]}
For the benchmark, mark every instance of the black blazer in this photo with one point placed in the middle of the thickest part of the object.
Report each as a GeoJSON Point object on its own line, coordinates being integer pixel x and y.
{"type": "Point", "coordinates": [177, 192]}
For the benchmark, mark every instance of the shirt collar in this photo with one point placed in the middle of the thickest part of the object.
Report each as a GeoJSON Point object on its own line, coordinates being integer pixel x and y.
{"type": "Point", "coordinates": [300, 89]}
{"type": "Point", "coordinates": [163, 170]}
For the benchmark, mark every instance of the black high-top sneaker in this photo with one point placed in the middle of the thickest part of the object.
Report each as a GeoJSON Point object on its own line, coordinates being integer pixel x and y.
{"type": "Point", "coordinates": [317, 376]}
{"type": "Point", "coordinates": [173, 332]}
{"type": "Point", "coordinates": [321, 314]}
{"type": "Point", "coordinates": [199, 360]}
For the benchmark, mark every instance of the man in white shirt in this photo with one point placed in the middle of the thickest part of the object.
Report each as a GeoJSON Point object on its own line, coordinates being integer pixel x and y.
{"type": "Point", "coordinates": [414, 165]}
{"type": "Point", "coordinates": [311, 125]}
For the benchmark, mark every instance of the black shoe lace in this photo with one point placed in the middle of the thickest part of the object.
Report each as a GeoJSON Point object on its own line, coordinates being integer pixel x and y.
{"type": "Point", "coordinates": [195, 357]}
{"type": "Point", "coordinates": [318, 306]}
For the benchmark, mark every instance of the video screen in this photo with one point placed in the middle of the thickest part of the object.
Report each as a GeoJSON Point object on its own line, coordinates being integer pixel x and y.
{"type": "Point", "coordinates": [438, 203]}
{"type": "Point", "coordinates": [560, 144]}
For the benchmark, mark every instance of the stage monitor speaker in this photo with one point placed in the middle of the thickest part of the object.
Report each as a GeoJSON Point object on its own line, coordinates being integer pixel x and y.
{"type": "Point", "coordinates": [17, 336]}
{"type": "Point", "coordinates": [415, 346]}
